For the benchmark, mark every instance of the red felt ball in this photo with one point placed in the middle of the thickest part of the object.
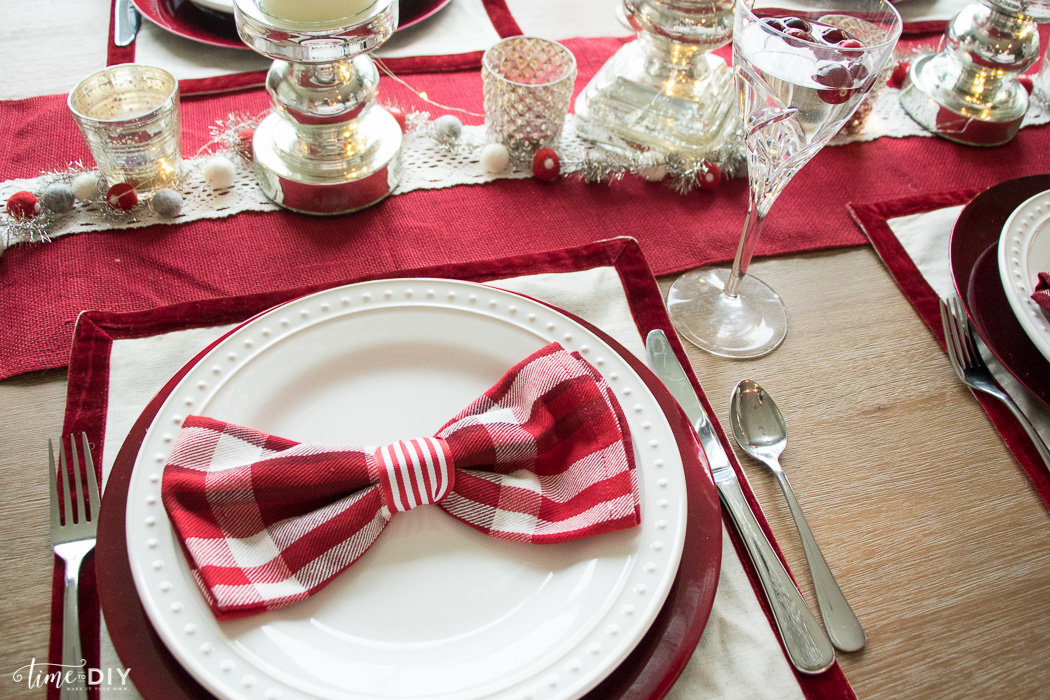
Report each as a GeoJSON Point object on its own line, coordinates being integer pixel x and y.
{"type": "Point", "coordinates": [709, 177]}
{"type": "Point", "coordinates": [23, 205]}
{"type": "Point", "coordinates": [122, 196]}
{"type": "Point", "coordinates": [398, 114]}
{"type": "Point", "coordinates": [244, 143]}
{"type": "Point", "coordinates": [899, 75]}
{"type": "Point", "coordinates": [546, 165]}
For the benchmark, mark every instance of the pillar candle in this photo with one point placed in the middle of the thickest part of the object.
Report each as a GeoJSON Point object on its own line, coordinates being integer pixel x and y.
{"type": "Point", "coordinates": [321, 11]}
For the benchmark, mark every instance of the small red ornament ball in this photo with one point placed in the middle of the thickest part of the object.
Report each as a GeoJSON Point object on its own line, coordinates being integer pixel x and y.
{"type": "Point", "coordinates": [899, 75]}
{"type": "Point", "coordinates": [546, 165]}
{"type": "Point", "coordinates": [709, 177]}
{"type": "Point", "coordinates": [122, 196]}
{"type": "Point", "coordinates": [244, 143]}
{"type": "Point", "coordinates": [398, 114]}
{"type": "Point", "coordinates": [23, 205]}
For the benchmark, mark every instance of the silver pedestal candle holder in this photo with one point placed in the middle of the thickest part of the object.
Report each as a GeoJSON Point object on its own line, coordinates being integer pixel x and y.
{"type": "Point", "coordinates": [968, 91]}
{"type": "Point", "coordinates": [665, 91]}
{"type": "Point", "coordinates": [327, 148]}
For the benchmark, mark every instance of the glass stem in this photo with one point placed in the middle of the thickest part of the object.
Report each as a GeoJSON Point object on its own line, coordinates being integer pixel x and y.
{"type": "Point", "coordinates": [748, 240]}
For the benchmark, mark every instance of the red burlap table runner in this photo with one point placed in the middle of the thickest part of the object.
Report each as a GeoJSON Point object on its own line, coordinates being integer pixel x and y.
{"type": "Point", "coordinates": [45, 287]}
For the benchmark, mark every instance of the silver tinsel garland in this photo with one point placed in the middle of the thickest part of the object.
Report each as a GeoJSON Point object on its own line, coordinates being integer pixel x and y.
{"type": "Point", "coordinates": [597, 165]}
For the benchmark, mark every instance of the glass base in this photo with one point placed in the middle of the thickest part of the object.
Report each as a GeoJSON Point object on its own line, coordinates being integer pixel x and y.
{"type": "Point", "coordinates": [636, 104]}
{"type": "Point", "coordinates": [930, 99]}
{"type": "Point", "coordinates": [751, 324]}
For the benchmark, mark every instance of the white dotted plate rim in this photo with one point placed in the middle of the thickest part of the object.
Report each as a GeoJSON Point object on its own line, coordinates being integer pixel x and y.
{"type": "Point", "coordinates": [1028, 222]}
{"type": "Point", "coordinates": [195, 638]}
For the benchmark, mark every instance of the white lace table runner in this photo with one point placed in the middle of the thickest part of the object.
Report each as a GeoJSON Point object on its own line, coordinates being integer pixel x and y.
{"type": "Point", "coordinates": [428, 164]}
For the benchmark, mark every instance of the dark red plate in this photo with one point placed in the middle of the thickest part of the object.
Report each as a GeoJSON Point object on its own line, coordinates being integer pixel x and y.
{"type": "Point", "coordinates": [190, 21]}
{"type": "Point", "coordinates": [975, 271]}
{"type": "Point", "coordinates": [647, 673]}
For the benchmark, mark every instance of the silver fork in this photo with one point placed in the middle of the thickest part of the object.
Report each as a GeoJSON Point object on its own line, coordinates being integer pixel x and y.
{"type": "Point", "coordinates": [970, 366]}
{"type": "Point", "coordinates": [72, 537]}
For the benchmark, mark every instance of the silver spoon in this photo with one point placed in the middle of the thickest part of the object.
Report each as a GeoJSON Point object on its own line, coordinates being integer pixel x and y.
{"type": "Point", "coordinates": [761, 432]}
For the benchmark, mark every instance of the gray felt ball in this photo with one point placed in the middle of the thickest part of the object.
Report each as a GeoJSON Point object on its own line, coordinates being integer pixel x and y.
{"type": "Point", "coordinates": [167, 203]}
{"type": "Point", "coordinates": [58, 198]}
{"type": "Point", "coordinates": [448, 128]}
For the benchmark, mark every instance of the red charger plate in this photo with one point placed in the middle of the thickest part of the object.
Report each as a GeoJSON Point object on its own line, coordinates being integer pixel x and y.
{"type": "Point", "coordinates": [190, 21]}
{"type": "Point", "coordinates": [647, 673]}
{"type": "Point", "coordinates": [975, 271]}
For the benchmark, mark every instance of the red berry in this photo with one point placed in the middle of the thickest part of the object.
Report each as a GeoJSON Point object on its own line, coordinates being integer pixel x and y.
{"type": "Point", "coordinates": [834, 35]}
{"type": "Point", "coordinates": [545, 164]}
{"type": "Point", "coordinates": [774, 23]}
{"type": "Point", "coordinates": [799, 35]}
{"type": "Point", "coordinates": [859, 72]}
{"type": "Point", "coordinates": [122, 196]}
{"type": "Point", "coordinates": [836, 96]}
{"type": "Point", "coordinates": [797, 23]}
{"type": "Point", "coordinates": [850, 44]}
{"type": "Point", "coordinates": [23, 205]}
{"type": "Point", "coordinates": [833, 75]}
{"type": "Point", "coordinates": [709, 177]}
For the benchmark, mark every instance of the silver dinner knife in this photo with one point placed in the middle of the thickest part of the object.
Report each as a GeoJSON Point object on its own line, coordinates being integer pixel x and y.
{"type": "Point", "coordinates": [808, 648]}
{"type": "Point", "coordinates": [125, 22]}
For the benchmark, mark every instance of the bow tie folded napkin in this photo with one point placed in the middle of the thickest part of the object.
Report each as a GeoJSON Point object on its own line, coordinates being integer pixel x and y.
{"type": "Point", "coordinates": [544, 456]}
{"type": "Point", "coordinates": [1041, 295]}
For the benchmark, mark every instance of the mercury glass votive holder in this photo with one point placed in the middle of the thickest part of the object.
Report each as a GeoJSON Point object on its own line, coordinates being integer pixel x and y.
{"type": "Point", "coordinates": [527, 84]}
{"type": "Point", "coordinates": [129, 116]}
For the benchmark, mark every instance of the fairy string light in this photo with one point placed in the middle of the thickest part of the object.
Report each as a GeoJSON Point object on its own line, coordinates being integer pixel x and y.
{"type": "Point", "coordinates": [422, 95]}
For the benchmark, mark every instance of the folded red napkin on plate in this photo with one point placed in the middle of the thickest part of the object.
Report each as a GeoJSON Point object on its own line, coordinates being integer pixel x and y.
{"type": "Point", "coordinates": [1041, 295]}
{"type": "Point", "coordinates": [544, 456]}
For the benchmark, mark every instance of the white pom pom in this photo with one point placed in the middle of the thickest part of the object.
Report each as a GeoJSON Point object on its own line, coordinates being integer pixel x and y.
{"type": "Point", "coordinates": [494, 158]}
{"type": "Point", "coordinates": [85, 187]}
{"type": "Point", "coordinates": [654, 173]}
{"type": "Point", "coordinates": [448, 128]}
{"type": "Point", "coordinates": [167, 203]}
{"type": "Point", "coordinates": [219, 173]}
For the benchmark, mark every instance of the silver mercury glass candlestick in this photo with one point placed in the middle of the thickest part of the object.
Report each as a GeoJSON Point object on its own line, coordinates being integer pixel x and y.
{"type": "Point", "coordinates": [327, 148]}
{"type": "Point", "coordinates": [968, 91]}
{"type": "Point", "coordinates": [665, 91]}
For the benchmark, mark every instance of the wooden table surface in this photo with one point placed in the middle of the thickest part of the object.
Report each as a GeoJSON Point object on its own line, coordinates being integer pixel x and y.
{"type": "Point", "coordinates": [937, 538]}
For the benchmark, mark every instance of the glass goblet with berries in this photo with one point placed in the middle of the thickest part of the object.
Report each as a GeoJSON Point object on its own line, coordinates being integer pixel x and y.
{"type": "Point", "coordinates": [800, 73]}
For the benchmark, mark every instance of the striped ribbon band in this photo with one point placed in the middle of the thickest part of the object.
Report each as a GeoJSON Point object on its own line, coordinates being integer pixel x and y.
{"type": "Point", "coordinates": [413, 473]}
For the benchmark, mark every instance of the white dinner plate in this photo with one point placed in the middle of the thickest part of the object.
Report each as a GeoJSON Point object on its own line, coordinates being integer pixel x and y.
{"type": "Point", "coordinates": [1024, 252]}
{"type": "Point", "coordinates": [434, 609]}
{"type": "Point", "coordinates": [216, 5]}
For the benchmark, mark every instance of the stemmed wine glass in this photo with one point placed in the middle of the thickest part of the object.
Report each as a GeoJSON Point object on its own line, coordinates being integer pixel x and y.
{"type": "Point", "coordinates": [800, 74]}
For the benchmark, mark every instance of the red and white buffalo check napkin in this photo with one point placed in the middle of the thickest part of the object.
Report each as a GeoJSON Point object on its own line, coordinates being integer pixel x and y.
{"type": "Point", "coordinates": [544, 456]}
{"type": "Point", "coordinates": [1041, 295]}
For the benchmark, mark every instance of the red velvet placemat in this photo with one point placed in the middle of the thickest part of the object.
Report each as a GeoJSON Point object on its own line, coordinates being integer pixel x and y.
{"type": "Point", "coordinates": [89, 381]}
{"type": "Point", "coordinates": [873, 220]}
